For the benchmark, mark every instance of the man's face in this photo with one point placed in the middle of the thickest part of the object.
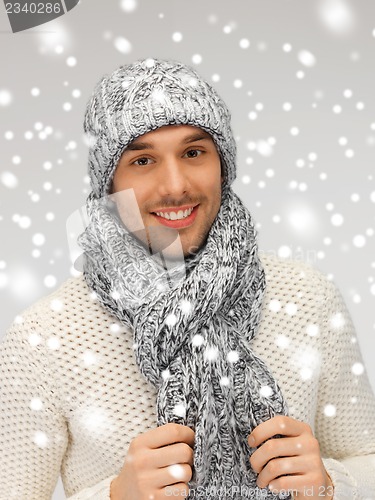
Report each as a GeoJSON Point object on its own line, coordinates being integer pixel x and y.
{"type": "Point", "coordinates": [171, 169]}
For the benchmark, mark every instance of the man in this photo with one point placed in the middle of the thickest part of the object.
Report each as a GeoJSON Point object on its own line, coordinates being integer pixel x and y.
{"type": "Point", "coordinates": [181, 364]}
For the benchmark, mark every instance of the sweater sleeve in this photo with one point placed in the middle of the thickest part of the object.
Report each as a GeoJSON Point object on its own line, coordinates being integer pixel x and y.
{"type": "Point", "coordinates": [345, 417]}
{"type": "Point", "coordinates": [33, 430]}
{"type": "Point", "coordinates": [101, 491]}
{"type": "Point", "coordinates": [33, 434]}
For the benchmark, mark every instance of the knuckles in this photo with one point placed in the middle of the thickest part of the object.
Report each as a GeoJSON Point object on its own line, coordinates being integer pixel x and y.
{"type": "Point", "coordinates": [186, 454]}
{"type": "Point", "coordinates": [255, 464]}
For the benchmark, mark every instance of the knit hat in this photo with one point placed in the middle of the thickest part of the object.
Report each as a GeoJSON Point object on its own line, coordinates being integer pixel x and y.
{"type": "Point", "coordinates": [143, 96]}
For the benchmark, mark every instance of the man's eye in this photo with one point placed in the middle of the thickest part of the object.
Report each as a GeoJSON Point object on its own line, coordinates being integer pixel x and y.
{"type": "Point", "coordinates": [193, 153]}
{"type": "Point", "coordinates": [142, 161]}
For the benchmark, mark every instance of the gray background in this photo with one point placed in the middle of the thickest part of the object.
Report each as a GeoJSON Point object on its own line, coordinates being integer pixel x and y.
{"type": "Point", "coordinates": [296, 184]}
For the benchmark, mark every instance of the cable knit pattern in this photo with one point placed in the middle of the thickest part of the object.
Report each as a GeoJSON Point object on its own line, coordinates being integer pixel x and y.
{"type": "Point", "coordinates": [72, 397]}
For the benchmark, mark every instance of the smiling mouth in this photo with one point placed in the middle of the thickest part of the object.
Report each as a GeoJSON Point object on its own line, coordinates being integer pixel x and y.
{"type": "Point", "coordinates": [176, 213]}
{"type": "Point", "coordinates": [176, 218]}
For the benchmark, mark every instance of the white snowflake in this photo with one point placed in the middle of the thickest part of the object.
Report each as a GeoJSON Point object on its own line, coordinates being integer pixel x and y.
{"type": "Point", "coordinates": [56, 305]}
{"type": "Point", "coordinates": [176, 471]}
{"type": "Point", "coordinates": [89, 358]}
{"type": "Point", "coordinates": [128, 5]}
{"type": "Point", "coordinates": [211, 353]}
{"type": "Point", "coordinates": [233, 356]}
{"type": "Point", "coordinates": [306, 58]}
{"type": "Point", "coordinates": [337, 320]}
{"type": "Point", "coordinates": [5, 97]}
{"type": "Point", "coordinates": [282, 341]}
{"type": "Point", "coordinates": [265, 391]}
{"type": "Point", "coordinates": [41, 439]}
{"type": "Point", "coordinates": [329, 410]}
{"type": "Point", "coordinates": [291, 308]}
{"type": "Point", "coordinates": [337, 16]}
{"type": "Point", "coordinates": [224, 381]}
{"type": "Point", "coordinates": [36, 404]}
{"type": "Point", "coordinates": [177, 37]}
{"type": "Point", "coordinates": [244, 43]}
{"type": "Point", "coordinates": [171, 319]}
{"type": "Point", "coordinates": [180, 410]}
{"type": "Point", "coordinates": [312, 330]}
{"type": "Point", "coordinates": [358, 368]}
{"type": "Point", "coordinates": [198, 340]}
{"type": "Point", "coordinates": [122, 45]}
{"type": "Point", "coordinates": [53, 343]}
{"type": "Point", "coordinates": [9, 180]}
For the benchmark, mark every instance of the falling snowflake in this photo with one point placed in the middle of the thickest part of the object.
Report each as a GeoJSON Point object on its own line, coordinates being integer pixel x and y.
{"type": "Point", "coordinates": [358, 368]}
{"type": "Point", "coordinates": [9, 180]}
{"type": "Point", "coordinates": [34, 339]}
{"type": "Point", "coordinates": [177, 36]}
{"type": "Point", "coordinates": [50, 281]}
{"type": "Point", "coordinates": [337, 16]}
{"type": "Point", "coordinates": [89, 358]}
{"type": "Point", "coordinates": [38, 239]}
{"type": "Point", "coordinates": [224, 381]}
{"type": "Point", "coordinates": [56, 305]}
{"type": "Point", "coordinates": [122, 45]}
{"type": "Point", "coordinates": [274, 305]}
{"type": "Point", "coordinates": [171, 319]}
{"type": "Point", "coordinates": [359, 241]}
{"type": "Point", "coordinates": [312, 330]}
{"type": "Point", "coordinates": [244, 43]}
{"type": "Point", "coordinates": [53, 343]}
{"type": "Point", "coordinates": [128, 5]}
{"type": "Point", "coordinates": [306, 58]}
{"type": "Point", "coordinates": [337, 220]}
{"type": "Point", "coordinates": [337, 321]}
{"type": "Point", "coordinates": [197, 59]}
{"type": "Point", "coordinates": [282, 341]}
{"type": "Point", "coordinates": [176, 471]}
{"type": "Point", "coordinates": [5, 97]}
{"type": "Point", "coordinates": [284, 252]}
{"type": "Point", "coordinates": [329, 410]}
{"type": "Point", "coordinates": [180, 410]}
{"type": "Point", "coordinates": [233, 356]}
{"type": "Point", "coordinates": [41, 439]}
{"type": "Point", "coordinates": [36, 404]}
{"type": "Point", "coordinates": [211, 353]}
{"type": "Point", "coordinates": [198, 340]}
{"type": "Point", "coordinates": [265, 391]}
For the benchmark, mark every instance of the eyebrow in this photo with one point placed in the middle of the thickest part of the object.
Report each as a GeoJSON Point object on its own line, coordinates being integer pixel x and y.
{"type": "Point", "coordinates": [139, 146]}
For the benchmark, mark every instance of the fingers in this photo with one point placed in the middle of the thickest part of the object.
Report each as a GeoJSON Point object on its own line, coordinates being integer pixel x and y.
{"type": "Point", "coordinates": [310, 485]}
{"type": "Point", "coordinates": [170, 475]}
{"type": "Point", "coordinates": [280, 424]}
{"type": "Point", "coordinates": [173, 454]}
{"type": "Point", "coordinates": [280, 467]}
{"type": "Point", "coordinates": [285, 447]}
{"type": "Point", "coordinates": [165, 435]}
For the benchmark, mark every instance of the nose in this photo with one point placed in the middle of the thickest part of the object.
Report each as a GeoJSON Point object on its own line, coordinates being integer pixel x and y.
{"type": "Point", "coordinates": [174, 178]}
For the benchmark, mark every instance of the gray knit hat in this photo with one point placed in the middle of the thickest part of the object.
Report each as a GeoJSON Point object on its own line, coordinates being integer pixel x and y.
{"type": "Point", "coordinates": [144, 96]}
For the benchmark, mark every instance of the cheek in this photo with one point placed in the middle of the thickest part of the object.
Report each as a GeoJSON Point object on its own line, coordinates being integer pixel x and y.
{"type": "Point", "coordinates": [119, 181]}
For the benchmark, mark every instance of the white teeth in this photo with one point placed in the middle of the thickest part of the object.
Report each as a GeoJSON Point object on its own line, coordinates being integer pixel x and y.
{"type": "Point", "coordinates": [175, 216]}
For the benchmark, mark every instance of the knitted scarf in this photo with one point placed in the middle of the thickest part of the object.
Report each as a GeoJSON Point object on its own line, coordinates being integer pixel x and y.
{"type": "Point", "coordinates": [193, 328]}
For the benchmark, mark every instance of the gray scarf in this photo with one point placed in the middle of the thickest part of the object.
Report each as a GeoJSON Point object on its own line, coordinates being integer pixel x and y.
{"type": "Point", "coordinates": [193, 329]}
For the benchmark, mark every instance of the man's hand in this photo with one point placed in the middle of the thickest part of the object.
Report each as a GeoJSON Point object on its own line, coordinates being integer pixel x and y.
{"type": "Point", "coordinates": [295, 457]}
{"type": "Point", "coordinates": [156, 460]}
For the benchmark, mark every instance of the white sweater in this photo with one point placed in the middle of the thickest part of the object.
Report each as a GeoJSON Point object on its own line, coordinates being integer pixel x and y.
{"type": "Point", "coordinates": [72, 397]}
